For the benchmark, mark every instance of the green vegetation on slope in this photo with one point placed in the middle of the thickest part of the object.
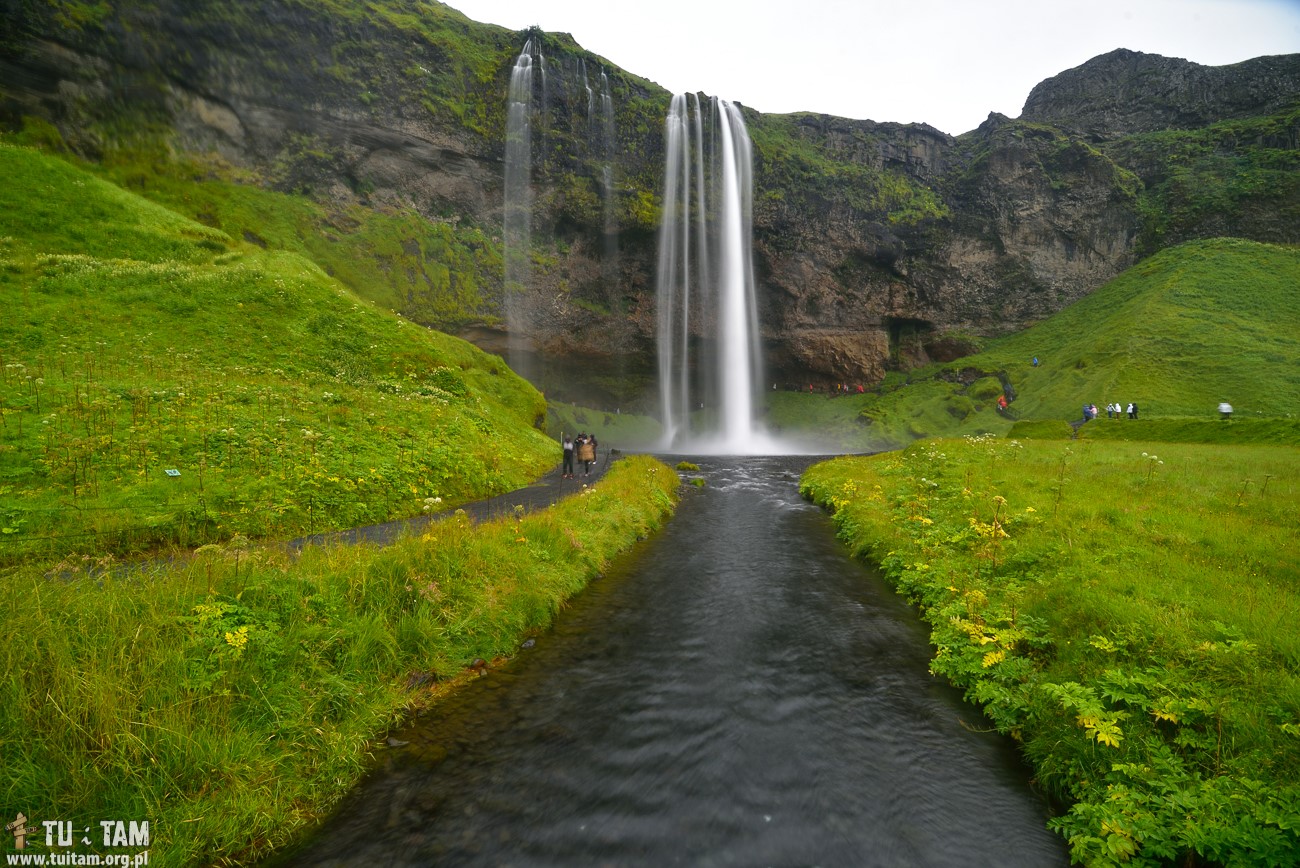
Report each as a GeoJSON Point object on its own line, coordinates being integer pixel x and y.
{"type": "Point", "coordinates": [925, 403]}
{"type": "Point", "coordinates": [618, 430]}
{"type": "Point", "coordinates": [791, 169]}
{"type": "Point", "coordinates": [232, 700]}
{"type": "Point", "coordinates": [1125, 610]}
{"type": "Point", "coordinates": [1194, 325]}
{"type": "Point", "coordinates": [442, 271]}
{"type": "Point", "coordinates": [1237, 177]}
{"type": "Point", "coordinates": [140, 342]}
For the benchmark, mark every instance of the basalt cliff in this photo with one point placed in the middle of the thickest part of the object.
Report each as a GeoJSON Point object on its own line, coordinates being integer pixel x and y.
{"type": "Point", "coordinates": [876, 245]}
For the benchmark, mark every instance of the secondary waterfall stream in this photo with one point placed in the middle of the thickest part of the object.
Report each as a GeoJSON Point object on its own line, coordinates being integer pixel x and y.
{"type": "Point", "coordinates": [734, 692]}
{"type": "Point", "coordinates": [518, 209]}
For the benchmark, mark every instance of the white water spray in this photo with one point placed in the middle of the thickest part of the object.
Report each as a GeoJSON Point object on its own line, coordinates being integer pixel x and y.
{"type": "Point", "coordinates": [707, 399]}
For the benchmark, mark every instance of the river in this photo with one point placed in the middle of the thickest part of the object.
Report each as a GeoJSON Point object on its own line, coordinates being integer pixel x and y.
{"type": "Point", "coordinates": [734, 692]}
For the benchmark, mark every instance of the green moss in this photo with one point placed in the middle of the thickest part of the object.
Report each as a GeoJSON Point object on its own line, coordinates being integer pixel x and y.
{"type": "Point", "coordinates": [959, 407]}
{"type": "Point", "coordinates": [1241, 174]}
{"type": "Point", "coordinates": [803, 173]}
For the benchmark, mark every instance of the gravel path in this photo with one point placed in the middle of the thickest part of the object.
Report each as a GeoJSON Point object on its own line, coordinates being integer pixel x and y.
{"type": "Point", "coordinates": [541, 494]}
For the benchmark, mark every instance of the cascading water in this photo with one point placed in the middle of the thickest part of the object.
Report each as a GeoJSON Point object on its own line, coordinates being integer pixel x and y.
{"type": "Point", "coordinates": [610, 262]}
{"type": "Point", "coordinates": [518, 209]}
{"type": "Point", "coordinates": [707, 400]}
{"type": "Point", "coordinates": [591, 97]}
{"type": "Point", "coordinates": [545, 107]}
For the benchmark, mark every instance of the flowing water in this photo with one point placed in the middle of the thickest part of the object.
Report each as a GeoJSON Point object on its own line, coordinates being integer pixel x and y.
{"type": "Point", "coordinates": [517, 207]}
{"type": "Point", "coordinates": [734, 692]}
{"type": "Point", "coordinates": [704, 282]}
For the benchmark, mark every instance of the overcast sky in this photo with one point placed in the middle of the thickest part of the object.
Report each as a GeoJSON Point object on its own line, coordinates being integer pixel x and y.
{"type": "Point", "coordinates": [945, 62]}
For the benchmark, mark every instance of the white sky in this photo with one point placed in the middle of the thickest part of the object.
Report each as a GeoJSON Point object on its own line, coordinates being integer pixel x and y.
{"type": "Point", "coordinates": [945, 62]}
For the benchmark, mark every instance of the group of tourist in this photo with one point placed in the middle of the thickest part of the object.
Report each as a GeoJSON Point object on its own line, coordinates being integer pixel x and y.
{"type": "Point", "coordinates": [1113, 411]}
{"type": "Point", "coordinates": [829, 389]}
{"type": "Point", "coordinates": [583, 448]}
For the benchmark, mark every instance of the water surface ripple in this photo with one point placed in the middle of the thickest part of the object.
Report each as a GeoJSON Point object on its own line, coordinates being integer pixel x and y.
{"type": "Point", "coordinates": [736, 692]}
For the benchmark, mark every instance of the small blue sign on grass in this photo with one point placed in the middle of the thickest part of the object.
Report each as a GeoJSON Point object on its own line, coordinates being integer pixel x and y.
{"type": "Point", "coordinates": [172, 472]}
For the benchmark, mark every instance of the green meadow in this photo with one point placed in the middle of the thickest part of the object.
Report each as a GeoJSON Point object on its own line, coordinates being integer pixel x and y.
{"type": "Point", "coordinates": [1204, 322]}
{"type": "Point", "coordinates": [1125, 610]}
{"type": "Point", "coordinates": [1121, 596]}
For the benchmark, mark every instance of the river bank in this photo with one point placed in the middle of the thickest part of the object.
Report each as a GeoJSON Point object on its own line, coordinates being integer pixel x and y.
{"type": "Point", "coordinates": [1125, 610]}
{"type": "Point", "coordinates": [232, 699]}
{"type": "Point", "coordinates": [735, 692]}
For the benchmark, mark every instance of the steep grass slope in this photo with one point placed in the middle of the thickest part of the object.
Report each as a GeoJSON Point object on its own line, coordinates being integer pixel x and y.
{"type": "Point", "coordinates": [1194, 325]}
{"type": "Point", "coordinates": [137, 342]}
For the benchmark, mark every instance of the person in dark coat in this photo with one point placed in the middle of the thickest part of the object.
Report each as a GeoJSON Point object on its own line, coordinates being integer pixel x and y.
{"type": "Point", "coordinates": [566, 472]}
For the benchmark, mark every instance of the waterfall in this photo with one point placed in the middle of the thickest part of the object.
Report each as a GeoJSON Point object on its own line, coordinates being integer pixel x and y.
{"type": "Point", "coordinates": [545, 108]}
{"type": "Point", "coordinates": [708, 287]}
{"type": "Point", "coordinates": [609, 263]}
{"type": "Point", "coordinates": [518, 209]}
{"type": "Point", "coordinates": [586, 85]}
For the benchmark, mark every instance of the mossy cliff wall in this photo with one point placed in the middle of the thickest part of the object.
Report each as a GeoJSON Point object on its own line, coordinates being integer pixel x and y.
{"type": "Point", "coordinates": [877, 245]}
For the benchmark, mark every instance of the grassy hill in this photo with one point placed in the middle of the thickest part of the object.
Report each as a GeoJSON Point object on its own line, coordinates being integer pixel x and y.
{"type": "Point", "coordinates": [1194, 325]}
{"type": "Point", "coordinates": [138, 341]}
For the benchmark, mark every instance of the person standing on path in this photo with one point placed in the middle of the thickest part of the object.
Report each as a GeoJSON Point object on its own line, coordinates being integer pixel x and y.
{"type": "Point", "coordinates": [587, 452]}
{"type": "Point", "coordinates": [566, 471]}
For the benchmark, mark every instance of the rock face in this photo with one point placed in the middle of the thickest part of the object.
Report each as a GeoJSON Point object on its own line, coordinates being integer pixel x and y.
{"type": "Point", "coordinates": [1027, 221]}
{"type": "Point", "coordinates": [877, 246]}
{"type": "Point", "coordinates": [1127, 92]}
